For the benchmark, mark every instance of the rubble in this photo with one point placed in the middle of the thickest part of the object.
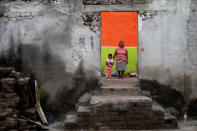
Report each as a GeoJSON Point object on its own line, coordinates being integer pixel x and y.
{"type": "Point", "coordinates": [15, 102]}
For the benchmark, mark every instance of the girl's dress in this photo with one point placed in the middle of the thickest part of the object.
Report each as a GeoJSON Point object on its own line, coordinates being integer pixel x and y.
{"type": "Point", "coordinates": [109, 63]}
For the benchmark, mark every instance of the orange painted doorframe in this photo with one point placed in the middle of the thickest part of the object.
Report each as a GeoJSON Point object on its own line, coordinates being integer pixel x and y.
{"type": "Point", "coordinates": [118, 26]}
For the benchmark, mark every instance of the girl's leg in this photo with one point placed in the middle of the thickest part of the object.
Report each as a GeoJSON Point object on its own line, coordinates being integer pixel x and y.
{"type": "Point", "coordinates": [107, 73]}
{"type": "Point", "coordinates": [110, 72]}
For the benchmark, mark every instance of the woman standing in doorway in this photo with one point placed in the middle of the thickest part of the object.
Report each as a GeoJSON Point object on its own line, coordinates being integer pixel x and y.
{"type": "Point", "coordinates": [121, 55]}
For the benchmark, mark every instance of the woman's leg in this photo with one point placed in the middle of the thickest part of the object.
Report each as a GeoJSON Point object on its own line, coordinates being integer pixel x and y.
{"type": "Point", "coordinates": [122, 74]}
{"type": "Point", "coordinates": [124, 65]}
{"type": "Point", "coordinates": [119, 74]}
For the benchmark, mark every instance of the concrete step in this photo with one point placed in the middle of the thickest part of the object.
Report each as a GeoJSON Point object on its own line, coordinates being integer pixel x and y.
{"type": "Point", "coordinates": [170, 121]}
{"type": "Point", "coordinates": [121, 103]}
{"type": "Point", "coordinates": [70, 121]}
{"type": "Point", "coordinates": [120, 112]}
{"type": "Point", "coordinates": [119, 83]}
{"type": "Point", "coordinates": [120, 91]}
{"type": "Point", "coordinates": [119, 87]}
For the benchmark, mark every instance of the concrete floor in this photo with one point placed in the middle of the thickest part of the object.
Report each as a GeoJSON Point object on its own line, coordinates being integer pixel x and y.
{"type": "Point", "coordinates": [190, 125]}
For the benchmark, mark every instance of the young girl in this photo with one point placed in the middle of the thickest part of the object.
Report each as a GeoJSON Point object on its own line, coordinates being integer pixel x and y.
{"type": "Point", "coordinates": [109, 64]}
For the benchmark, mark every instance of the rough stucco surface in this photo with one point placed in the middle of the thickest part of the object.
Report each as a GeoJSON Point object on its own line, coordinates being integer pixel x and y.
{"type": "Point", "coordinates": [55, 46]}
{"type": "Point", "coordinates": [163, 38]}
{"type": "Point", "coordinates": [191, 48]}
{"type": "Point", "coordinates": [58, 26]}
{"type": "Point", "coordinates": [168, 39]}
{"type": "Point", "coordinates": [167, 32]}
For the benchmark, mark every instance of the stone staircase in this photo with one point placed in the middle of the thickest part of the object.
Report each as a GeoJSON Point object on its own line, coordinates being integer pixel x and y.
{"type": "Point", "coordinates": [119, 105]}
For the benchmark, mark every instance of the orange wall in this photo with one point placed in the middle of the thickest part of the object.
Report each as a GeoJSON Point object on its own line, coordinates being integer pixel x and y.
{"type": "Point", "coordinates": [118, 26]}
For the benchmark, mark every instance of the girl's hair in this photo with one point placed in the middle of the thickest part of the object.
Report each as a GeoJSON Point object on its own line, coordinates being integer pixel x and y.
{"type": "Point", "coordinates": [109, 55]}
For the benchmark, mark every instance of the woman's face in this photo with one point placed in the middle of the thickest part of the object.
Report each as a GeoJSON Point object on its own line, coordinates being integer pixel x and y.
{"type": "Point", "coordinates": [121, 44]}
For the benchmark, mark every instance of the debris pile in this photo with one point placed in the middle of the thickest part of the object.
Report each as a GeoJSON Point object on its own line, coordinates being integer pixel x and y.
{"type": "Point", "coordinates": [17, 108]}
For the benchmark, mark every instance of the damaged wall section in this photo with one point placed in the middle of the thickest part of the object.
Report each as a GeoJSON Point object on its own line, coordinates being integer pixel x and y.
{"type": "Point", "coordinates": [17, 102]}
{"type": "Point", "coordinates": [51, 42]}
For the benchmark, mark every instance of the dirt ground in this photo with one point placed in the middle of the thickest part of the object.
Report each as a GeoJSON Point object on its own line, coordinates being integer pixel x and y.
{"type": "Point", "coordinates": [190, 125]}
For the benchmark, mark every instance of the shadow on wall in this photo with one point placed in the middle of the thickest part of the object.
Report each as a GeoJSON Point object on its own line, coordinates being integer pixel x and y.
{"type": "Point", "coordinates": [59, 90]}
{"type": "Point", "coordinates": [192, 110]}
{"type": "Point", "coordinates": [164, 94]}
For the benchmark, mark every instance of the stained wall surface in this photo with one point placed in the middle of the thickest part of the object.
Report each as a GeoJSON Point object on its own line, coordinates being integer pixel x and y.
{"type": "Point", "coordinates": [71, 31]}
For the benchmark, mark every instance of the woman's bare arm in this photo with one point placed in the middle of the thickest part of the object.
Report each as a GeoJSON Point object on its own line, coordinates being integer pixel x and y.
{"type": "Point", "coordinates": [127, 56]}
{"type": "Point", "coordinates": [114, 55]}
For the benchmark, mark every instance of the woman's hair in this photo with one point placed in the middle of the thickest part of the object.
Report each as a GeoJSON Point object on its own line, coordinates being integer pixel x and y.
{"type": "Point", "coordinates": [109, 55]}
{"type": "Point", "coordinates": [121, 41]}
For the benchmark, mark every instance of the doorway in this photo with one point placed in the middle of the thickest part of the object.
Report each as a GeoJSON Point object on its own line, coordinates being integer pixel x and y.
{"type": "Point", "coordinates": [115, 27]}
